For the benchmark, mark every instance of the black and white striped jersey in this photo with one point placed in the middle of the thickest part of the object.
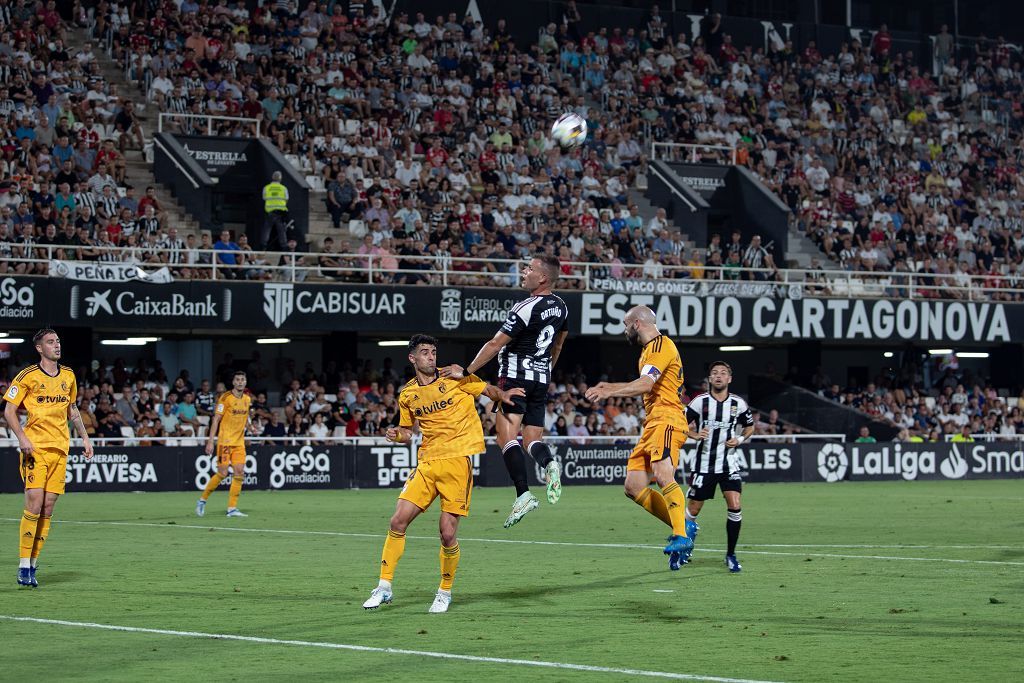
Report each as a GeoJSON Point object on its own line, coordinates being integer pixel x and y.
{"type": "Point", "coordinates": [533, 325]}
{"type": "Point", "coordinates": [724, 420]}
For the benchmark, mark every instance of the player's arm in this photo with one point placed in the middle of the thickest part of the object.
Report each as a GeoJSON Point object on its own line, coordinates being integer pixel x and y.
{"type": "Point", "coordinates": [602, 390]}
{"type": "Point", "coordinates": [556, 347]}
{"type": "Point", "coordinates": [11, 415]}
{"type": "Point", "coordinates": [747, 420]}
{"type": "Point", "coordinates": [495, 394]}
{"type": "Point", "coordinates": [486, 353]}
{"type": "Point", "coordinates": [75, 416]}
{"type": "Point", "coordinates": [214, 425]}
{"type": "Point", "coordinates": [403, 432]}
{"type": "Point", "coordinates": [692, 419]}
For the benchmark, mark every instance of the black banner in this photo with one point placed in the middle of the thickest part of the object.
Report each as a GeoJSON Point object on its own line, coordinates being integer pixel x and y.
{"type": "Point", "coordinates": [217, 156]}
{"type": "Point", "coordinates": [205, 305]}
{"type": "Point", "coordinates": [383, 465]}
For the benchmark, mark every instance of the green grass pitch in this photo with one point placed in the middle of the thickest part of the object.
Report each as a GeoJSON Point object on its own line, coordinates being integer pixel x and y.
{"type": "Point", "coordinates": [829, 590]}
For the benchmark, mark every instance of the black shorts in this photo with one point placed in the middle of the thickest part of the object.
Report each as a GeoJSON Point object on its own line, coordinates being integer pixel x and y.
{"type": "Point", "coordinates": [531, 406]}
{"type": "Point", "coordinates": [702, 486]}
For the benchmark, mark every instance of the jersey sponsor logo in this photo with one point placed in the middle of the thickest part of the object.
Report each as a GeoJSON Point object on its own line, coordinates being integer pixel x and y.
{"type": "Point", "coordinates": [15, 301]}
{"type": "Point", "coordinates": [451, 308]}
{"type": "Point", "coordinates": [52, 399]}
{"type": "Point", "coordinates": [433, 407]}
{"type": "Point", "coordinates": [300, 468]}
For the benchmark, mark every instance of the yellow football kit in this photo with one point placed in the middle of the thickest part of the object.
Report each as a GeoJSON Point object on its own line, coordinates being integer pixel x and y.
{"type": "Point", "coordinates": [665, 426]}
{"type": "Point", "coordinates": [234, 415]}
{"type": "Point", "coordinates": [452, 434]}
{"type": "Point", "coordinates": [46, 399]}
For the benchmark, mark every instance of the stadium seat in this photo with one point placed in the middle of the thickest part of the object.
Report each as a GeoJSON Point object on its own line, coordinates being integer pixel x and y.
{"type": "Point", "coordinates": [129, 434]}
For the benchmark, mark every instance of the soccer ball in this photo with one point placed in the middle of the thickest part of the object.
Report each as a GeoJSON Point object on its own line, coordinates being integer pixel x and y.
{"type": "Point", "coordinates": [570, 130]}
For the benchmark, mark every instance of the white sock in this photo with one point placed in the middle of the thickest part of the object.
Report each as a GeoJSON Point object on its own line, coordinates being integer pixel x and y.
{"type": "Point", "coordinates": [34, 561]}
{"type": "Point", "coordinates": [24, 562]}
{"type": "Point", "coordinates": [386, 585]}
{"type": "Point", "coordinates": [442, 591]}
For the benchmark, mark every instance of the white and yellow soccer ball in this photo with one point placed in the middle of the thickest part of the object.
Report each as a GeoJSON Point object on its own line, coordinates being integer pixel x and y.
{"type": "Point", "coordinates": [570, 130]}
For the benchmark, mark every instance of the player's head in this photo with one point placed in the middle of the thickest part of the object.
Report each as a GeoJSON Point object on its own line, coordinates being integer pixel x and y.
{"type": "Point", "coordinates": [423, 353]}
{"type": "Point", "coordinates": [541, 272]}
{"type": "Point", "coordinates": [636, 320]}
{"type": "Point", "coordinates": [238, 380]}
{"type": "Point", "coordinates": [47, 343]}
{"type": "Point", "coordinates": [719, 375]}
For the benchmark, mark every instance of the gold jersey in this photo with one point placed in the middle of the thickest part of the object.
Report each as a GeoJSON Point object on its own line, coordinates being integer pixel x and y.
{"type": "Point", "coordinates": [660, 361]}
{"type": "Point", "coordinates": [446, 411]}
{"type": "Point", "coordinates": [46, 399]}
{"type": "Point", "coordinates": [234, 415]}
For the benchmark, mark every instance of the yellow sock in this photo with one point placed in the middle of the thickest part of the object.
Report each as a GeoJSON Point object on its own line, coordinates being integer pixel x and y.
{"type": "Point", "coordinates": [212, 485]}
{"type": "Point", "coordinates": [236, 488]}
{"type": "Point", "coordinates": [42, 531]}
{"type": "Point", "coordinates": [27, 534]}
{"type": "Point", "coordinates": [394, 546]}
{"type": "Point", "coordinates": [449, 563]}
{"type": "Point", "coordinates": [676, 508]}
{"type": "Point", "coordinates": [654, 503]}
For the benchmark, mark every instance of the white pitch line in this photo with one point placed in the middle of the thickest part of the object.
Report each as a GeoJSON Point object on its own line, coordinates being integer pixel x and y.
{"type": "Point", "coordinates": [385, 650]}
{"type": "Point", "coordinates": [626, 546]}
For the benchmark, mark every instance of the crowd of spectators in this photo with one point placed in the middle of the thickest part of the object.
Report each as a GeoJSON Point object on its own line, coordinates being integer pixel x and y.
{"type": "Point", "coordinates": [931, 406]}
{"type": "Point", "coordinates": [323, 404]}
{"type": "Point", "coordinates": [430, 134]}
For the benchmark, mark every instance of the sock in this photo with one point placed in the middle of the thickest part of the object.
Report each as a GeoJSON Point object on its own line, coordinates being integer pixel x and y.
{"type": "Point", "coordinates": [449, 563]}
{"type": "Point", "coordinates": [654, 503]}
{"type": "Point", "coordinates": [42, 531]}
{"type": "Point", "coordinates": [236, 488]}
{"type": "Point", "coordinates": [394, 546]}
{"type": "Point", "coordinates": [212, 485]}
{"type": "Point", "coordinates": [24, 563]}
{"type": "Point", "coordinates": [515, 463]}
{"type": "Point", "coordinates": [732, 529]}
{"type": "Point", "coordinates": [27, 534]}
{"type": "Point", "coordinates": [541, 453]}
{"type": "Point", "coordinates": [690, 517]}
{"type": "Point", "coordinates": [676, 508]}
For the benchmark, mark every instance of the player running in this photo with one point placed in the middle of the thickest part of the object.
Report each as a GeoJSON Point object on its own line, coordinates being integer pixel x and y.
{"type": "Point", "coordinates": [714, 417]}
{"type": "Point", "coordinates": [656, 455]}
{"type": "Point", "coordinates": [48, 392]}
{"type": "Point", "coordinates": [527, 346]}
{"type": "Point", "coordinates": [230, 420]}
{"type": "Point", "coordinates": [445, 409]}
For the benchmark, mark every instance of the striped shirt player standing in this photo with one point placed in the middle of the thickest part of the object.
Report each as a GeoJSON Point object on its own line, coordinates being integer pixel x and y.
{"type": "Point", "coordinates": [714, 418]}
{"type": "Point", "coordinates": [527, 346]}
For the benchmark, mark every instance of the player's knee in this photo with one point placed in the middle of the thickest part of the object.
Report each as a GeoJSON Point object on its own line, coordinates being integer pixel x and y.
{"type": "Point", "coordinates": [633, 489]}
{"type": "Point", "coordinates": [398, 523]}
{"type": "Point", "coordinates": [448, 537]}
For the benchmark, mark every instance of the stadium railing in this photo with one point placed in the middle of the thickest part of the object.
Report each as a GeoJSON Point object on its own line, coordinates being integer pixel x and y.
{"type": "Point", "coordinates": [988, 437]}
{"type": "Point", "coordinates": [377, 440]}
{"type": "Point", "coordinates": [589, 276]}
{"type": "Point", "coordinates": [208, 119]}
{"type": "Point", "coordinates": [691, 153]}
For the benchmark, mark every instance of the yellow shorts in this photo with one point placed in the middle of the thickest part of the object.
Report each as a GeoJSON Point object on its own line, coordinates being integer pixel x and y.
{"type": "Point", "coordinates": [231, 455]}
{"type": "Point", "coordinates": [450, 478]}
{"type": "Point", "coordinates": [45, 468]}
{"type": "Point", "coordinates": [658, 441]}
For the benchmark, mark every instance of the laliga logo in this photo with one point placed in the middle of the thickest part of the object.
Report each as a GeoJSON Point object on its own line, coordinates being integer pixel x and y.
{"type": "Point", "coordinates": [285, 465]}
{"type": "Point", "coordinates": [832, 462]}
{"type": "Point", "coordinates": [955, 465]}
